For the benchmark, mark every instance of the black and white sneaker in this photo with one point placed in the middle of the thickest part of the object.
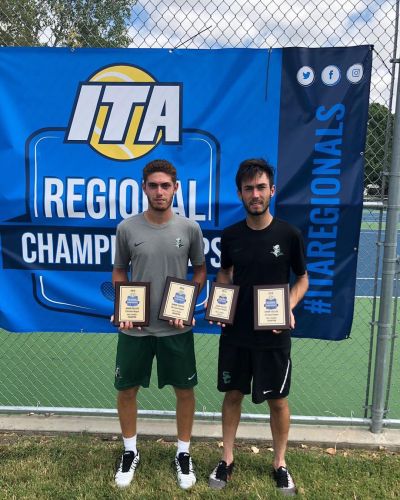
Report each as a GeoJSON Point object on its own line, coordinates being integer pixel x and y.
{"type": "Point", "coordinates": [185, 471]}
{"type": "Point", "coordinates": [220, 475]}
{"type": "Point", "coordinates": [126, 469]}
{"type": "Point", "coordinates": [284, 482]}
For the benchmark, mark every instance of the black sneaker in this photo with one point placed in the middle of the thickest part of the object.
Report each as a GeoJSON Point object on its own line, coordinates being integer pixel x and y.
{"type": "Point", "coordinates": [220, 475]}
{"type": "Point", "coordinates": [284, 482]}
{"type": "Point", "coordinates": [185, 471]}
{"type": "Point", "coordinates": [126, 469]}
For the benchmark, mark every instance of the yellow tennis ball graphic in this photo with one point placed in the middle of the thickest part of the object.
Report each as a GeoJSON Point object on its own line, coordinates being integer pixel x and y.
{"type": "Point", "coordinates": [129, 150]}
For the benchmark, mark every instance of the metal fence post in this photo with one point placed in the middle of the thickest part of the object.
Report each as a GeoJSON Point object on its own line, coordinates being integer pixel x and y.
{"type": "Point", "coordinates": [385, 322]}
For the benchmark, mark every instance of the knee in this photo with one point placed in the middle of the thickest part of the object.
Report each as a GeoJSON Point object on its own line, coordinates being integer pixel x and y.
{"type": "Point", "coordinates": [233, 398]}
{"type": "Point", "coordinates": [184, 395]}
{"type": "Point", "coordinates": [128, 395]}
{"type": "Point", "coordinates": [278, 405]}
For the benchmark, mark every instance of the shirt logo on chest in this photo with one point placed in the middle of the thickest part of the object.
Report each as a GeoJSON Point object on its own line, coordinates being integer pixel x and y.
{"type": "Point", "coordinates": [276, 250]}
{"type": "Point", "coordinates": [178, 242]}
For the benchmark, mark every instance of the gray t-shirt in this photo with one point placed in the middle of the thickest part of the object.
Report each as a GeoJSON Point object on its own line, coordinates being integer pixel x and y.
{"type": "Point", "coordinates": [155, 252]}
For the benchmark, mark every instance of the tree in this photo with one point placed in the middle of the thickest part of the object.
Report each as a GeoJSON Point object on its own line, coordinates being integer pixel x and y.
{"type": "Point", "coordinates": [376, 140]}
{"type": "Point", "coordinates": [72, 23]}
{"type": "Point", "coordinates": [21, 22]}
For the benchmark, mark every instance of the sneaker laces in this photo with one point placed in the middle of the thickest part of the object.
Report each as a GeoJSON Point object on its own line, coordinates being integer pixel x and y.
{"type": "Point", "coordinates": [283, 478]}
{"type": "Point", "coordinates": [126, 461]}
{"type": "Point", "coordinates": [185, 463]}
{"type": "Point", "coordinates": [221, 471]}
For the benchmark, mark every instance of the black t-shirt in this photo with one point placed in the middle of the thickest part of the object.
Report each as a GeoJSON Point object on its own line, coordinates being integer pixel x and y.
{"type": "Point", "coordinates": [259, 257]}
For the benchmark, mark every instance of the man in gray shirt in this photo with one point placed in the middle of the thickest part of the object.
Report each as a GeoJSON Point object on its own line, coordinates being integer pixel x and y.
{"type": "Point", "coordinates": [156, 244]}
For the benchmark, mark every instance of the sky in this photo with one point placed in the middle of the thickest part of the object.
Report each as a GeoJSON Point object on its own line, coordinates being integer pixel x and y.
{"type": "Point", "coordinates": [271, 23]}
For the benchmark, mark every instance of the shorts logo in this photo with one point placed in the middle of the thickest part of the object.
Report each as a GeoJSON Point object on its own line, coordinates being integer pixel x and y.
{"type": "Point", "coordinates": [226, 377]}
{"type": "Point", "coordinates": [123, 113]}
{"type": "Point", "coordinates": [178, 243]}
{"type": "Point", "coordinates": [118, 372]}
{"type": "Point", "coordinates": [276, 250]}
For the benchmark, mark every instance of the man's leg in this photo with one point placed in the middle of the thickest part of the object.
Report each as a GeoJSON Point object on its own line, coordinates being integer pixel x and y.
{"type": "Point", "coordinates": [184, 413]}
{"type": "Point", "coordinates": [231, 411]}
{"type": "Point", "coordinates": [234, 379]}
{"type": "Point", "coordinates": [127, 411]}
{"type": "Point", "coordinates": [176, 366]}
{"type": "Point", "coordinates": [272, 380]}
{"type": "Point", "coordinates": [279, 422]}
{"type": "Point", "coordinates": [133, 369]}
{"type": "Point", "coordinates": [184, 423]}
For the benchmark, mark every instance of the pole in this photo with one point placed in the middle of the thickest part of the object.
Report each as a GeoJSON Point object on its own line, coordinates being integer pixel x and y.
{"type": "Point", "coordinates": [390, 264]}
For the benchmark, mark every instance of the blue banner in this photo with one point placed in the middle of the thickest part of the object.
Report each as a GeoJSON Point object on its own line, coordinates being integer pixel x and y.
{"type": "Point", "coordinates": [324, 113]}
{"type": "Point", "coordinates": [77, 128]}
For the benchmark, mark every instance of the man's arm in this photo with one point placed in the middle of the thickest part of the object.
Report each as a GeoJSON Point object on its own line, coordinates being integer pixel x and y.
{"type": "Point", "coordinates": [298, 290]}
{"type": "Point", "coordinates": [225, 276]}
{"type": "Point", "coordinates": [200, 274]}
{"type": "Point", "coordinates": [119, 274]}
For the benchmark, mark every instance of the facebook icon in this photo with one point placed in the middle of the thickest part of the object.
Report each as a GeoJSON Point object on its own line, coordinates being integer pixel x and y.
{"type": "Point", "coordinates": [330, 75]}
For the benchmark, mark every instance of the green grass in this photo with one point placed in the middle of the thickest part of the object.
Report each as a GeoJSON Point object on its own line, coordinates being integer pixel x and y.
{"type": "Point", "coordinates": [76, 370]}
{"type": "Point", "coordinates": [82, 467]}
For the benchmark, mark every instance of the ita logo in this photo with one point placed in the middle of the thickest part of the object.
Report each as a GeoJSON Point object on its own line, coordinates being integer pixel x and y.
{"type": "Point", "coordinates": [123, 113]}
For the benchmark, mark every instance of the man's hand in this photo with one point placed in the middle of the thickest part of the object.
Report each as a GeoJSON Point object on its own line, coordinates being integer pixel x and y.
{"type": "Point", "coordinates": [218, 323]}
{"type": "Point", "coordinates": [125, 325]}
{"type": "Point", "coordinates": [292, 324]}
{"type": "Point", "coordinates": [178, 323]}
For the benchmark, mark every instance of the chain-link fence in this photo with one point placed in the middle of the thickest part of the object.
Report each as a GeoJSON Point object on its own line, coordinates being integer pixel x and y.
{"type": "Point", "coordinates": [330, 379]}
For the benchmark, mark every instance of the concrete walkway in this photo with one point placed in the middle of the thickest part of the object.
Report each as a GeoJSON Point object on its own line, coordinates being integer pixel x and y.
{"type": "Point", "coordinates": [317, 435]}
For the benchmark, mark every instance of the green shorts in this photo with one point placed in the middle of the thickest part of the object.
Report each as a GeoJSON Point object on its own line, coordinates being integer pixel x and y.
{"type": "Point", "coordinates": [176, 363]}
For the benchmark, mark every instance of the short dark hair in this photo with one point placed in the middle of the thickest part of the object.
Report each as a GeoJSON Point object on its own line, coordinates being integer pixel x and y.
{"type": "Point", "coordinates": [159, 166]}
{"type": "Point", "coordinates": [248, 169]}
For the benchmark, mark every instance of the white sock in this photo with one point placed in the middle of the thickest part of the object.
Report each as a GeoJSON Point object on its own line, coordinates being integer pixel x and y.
{"type": "Point", "coordinates": [183, 447]}
{"type": "Point", "coordinates": [130, 443]}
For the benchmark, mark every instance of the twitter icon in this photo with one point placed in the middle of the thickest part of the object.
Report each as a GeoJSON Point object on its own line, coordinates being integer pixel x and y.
{"type": "Point", "coordinates": [305, 76]}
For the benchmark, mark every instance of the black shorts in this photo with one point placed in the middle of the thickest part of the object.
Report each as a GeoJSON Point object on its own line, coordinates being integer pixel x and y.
{"type": "Point", "coordinates": [265, 373]}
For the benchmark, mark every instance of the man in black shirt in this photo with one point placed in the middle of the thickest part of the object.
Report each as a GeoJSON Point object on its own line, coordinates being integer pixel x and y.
{"type": "Point", "coordinates": [260, 250]}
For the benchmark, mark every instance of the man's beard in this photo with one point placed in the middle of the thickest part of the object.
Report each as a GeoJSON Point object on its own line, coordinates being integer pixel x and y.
{"type": "Point", "coordinates": [159, 208]}
{"type": "Point", "coordinates": [256, 214]}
